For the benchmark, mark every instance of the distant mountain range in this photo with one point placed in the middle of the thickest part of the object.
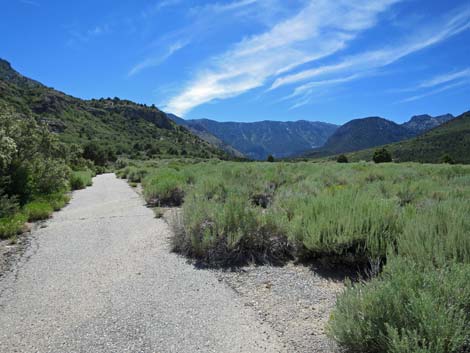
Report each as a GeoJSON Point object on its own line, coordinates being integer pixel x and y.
{"type": "Point", "coordinates": [260, 139]}
{"type": "Point", "coordinates": [312, 139]}
{"type": "Point", "coordinates": [452, 138]}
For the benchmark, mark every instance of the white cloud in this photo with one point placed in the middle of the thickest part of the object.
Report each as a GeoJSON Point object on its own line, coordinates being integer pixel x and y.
{"type": "Point", "coordinates": [320, 29]}
{"type": "Point", "coordinates": [436, 91]}
{"type": "Point", "coordinates": [223, 7]}
{"type": "Point", "coordinates": [386, 56]}
{"type": "Point", "coordinates": [448, 77]}
{"type": "Point", "coordinates": [157, 60]}
{"type": "Point", "coordinates": [157, 7]}
{"type": "Point", "coordinates": [30, 2]}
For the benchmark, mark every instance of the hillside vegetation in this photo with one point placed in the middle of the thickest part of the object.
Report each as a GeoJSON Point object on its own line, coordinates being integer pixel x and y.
{"type": "Point", "coordinates": [451, 139]}
{"type": "Point", "coordinates": [120, 126]}
{"type": "Point", "coordinates": [36, 172]}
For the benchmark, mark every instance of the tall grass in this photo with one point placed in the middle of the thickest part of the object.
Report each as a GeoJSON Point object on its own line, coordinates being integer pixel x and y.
{"type": "Point", "coordinates": [81, 179]}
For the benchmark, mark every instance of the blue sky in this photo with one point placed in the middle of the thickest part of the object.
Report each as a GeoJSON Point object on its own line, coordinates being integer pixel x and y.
{"type": "Point", "coordinates": [249, 60]}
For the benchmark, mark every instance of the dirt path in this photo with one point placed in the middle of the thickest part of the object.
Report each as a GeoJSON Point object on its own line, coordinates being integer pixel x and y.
{"type": "Point", "coordinates": [100, 278]}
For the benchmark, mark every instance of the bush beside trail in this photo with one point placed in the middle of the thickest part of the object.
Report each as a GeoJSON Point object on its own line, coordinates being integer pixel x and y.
{"type": "Point", "coordinates": [36, 172]}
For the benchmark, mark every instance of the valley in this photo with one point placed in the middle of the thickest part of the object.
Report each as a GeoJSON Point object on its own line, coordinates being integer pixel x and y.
{"type": "Point", "coordinates": [124, 228]}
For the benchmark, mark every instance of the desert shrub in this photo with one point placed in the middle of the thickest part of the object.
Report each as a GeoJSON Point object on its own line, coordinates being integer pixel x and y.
{"type": "Point", "coordinates": [164, 187]}
{"type": "Point", "coordinates": [230, 233]}
{"type": "Point", "coordinates": [349, 223]}
{"type": "Point", "coordinates": [408, 308]}
{"type": "Point", "coordinates": [382, 156]}
{"type": "Point", "coordinates": [135, 175]}
{"type": "Point", "coordinates": [342, 159]}
{"type": "Point", "coordinates": [438, 234]}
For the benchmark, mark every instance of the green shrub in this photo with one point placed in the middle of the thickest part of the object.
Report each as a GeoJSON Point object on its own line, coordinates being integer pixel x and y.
{"type": "Point", "coordinates": [447, 159]}
{"type": "Point", "coordinates": [349, 223]}
{"type": "Point", "coordinates": [8, 205]}
{"type": "Point", "coordinates": [407, 309]}
{"type": "Point", "coordinates": [438, 234]}
{"type": "Point", "coordinates": [38, 210]}
{"type": "Point", "coordinates": [80, 179]}
{"type": "Point", "coordinates": [342, 159]}
{"type": "Point", "coordinates": [12, 225]}
{"type": "Point", "coordinates": [229, 233]}
{"type": "Point", "coordinates": [57, 200]}
{"type": "Point", "coordinates": [382, 156]}
{"type": "Point", "coordinates": [164, 187]}
{"type": "Point", "coordinates": [50, 176]}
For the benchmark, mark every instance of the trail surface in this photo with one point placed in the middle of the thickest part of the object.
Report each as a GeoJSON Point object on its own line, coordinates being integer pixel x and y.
{"type": "Point", "coordinates": [100, 278]}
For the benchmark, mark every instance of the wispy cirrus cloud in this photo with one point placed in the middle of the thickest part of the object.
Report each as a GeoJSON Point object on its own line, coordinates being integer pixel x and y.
{"type": "Point", "coordinates": [446, 82]}
{"type": "Point", "coordinates": [82, 37]}
{"type": "Point", "coordinates": [155, 8]}
{"type": "Point", "coordinates": [386, 56]}
{"type": "Point", "coordinates": [219, 7]}
{"type": "Point", "coordinates": [319, 29]}
{"type": "Point", "coordinates": [157, 60]}
{"type": "Point", "coordinates": [436, 91]}
{"type": "Point", "coordinates": [30, 2]}
{"type": "Point", "coordinates": [448, 77]}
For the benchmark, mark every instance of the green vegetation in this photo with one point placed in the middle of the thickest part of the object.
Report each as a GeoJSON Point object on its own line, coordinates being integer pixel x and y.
{"type": "Point", "coordinates": [35, 172]}
{"type": "Point", "coordinates": [408, 308]}
{"type": "Point", "coordinates": [409, 219]}
{"type": "Point", "coordinates": [105, 128]}
{"type": "Point", "coordinates": [342, 159]}
{"type": "Point", "coordinates": [81, 179]}
{"type": "Point", "coordinates": [382, 156]}
{"type": "Point", "coordinates": [451, 139]}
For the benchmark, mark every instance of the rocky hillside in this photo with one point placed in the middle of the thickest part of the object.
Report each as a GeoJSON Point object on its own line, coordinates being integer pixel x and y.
{"type": "Point", "coordinates": [419, 124]}
{"type": "Point", "coordinates": [260, 139]}
{"type": "Point", "coordinates": [126, 126]}
{"type": "Point", "coordinates": [451, 138]}
{"type": "Point", "coordinates": [359, 134]}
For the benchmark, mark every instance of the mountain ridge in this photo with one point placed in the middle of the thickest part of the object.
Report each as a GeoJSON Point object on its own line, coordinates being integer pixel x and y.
{"type": "Point", "coordinates": [128, 127]}
{"type": "Point", "coordinates": [258, 140]}
{"type": "Point", "coordinates": [451, 138]}
{"type": "Point", "coordinates": [363, 133]}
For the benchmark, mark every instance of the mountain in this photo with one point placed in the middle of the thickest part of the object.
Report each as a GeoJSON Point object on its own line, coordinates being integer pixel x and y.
{"type": "Point", "coordinates": [260, 139]}
{"type": "Point", "coordinates": [125, 126]}
{"type": "Point", "coordinates": [363, 133]}
{"type": "Point", "coordinates": [359, 134]}
{"type": "Point", "coordinates": [419, 124]}
{"type": "Point", "coordinates": [451, 138]}
{"type": "Point", "coordinates": [204, 134]}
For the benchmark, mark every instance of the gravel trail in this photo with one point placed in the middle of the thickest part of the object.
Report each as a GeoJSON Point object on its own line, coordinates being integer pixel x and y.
{"type": "Point", "coordinates": [100, 278]}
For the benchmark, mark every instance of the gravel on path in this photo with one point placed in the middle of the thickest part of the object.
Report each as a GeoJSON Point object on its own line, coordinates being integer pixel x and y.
{"type": "Point", "coordinates": [294, 300]}
{"type": "Point", "coordinates": [100, 278]}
